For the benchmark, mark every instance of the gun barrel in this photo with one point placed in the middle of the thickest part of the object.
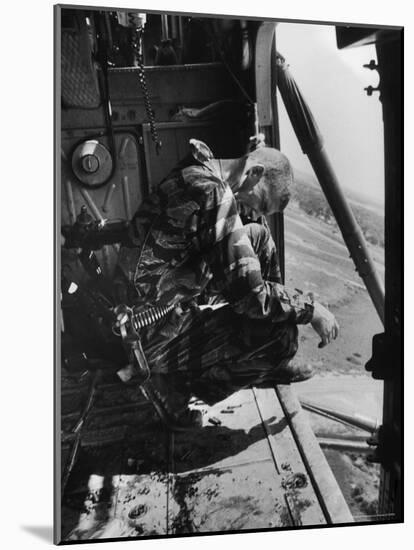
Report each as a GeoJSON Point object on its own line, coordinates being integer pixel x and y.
{"type": "Point", "coordinates": [94, 236]}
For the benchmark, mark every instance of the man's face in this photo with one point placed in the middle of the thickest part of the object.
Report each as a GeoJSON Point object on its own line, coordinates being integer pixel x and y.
{"type": "Point", "coordinates": [265, 182]}
{"type": "Point", "coordinates": [265, 198]}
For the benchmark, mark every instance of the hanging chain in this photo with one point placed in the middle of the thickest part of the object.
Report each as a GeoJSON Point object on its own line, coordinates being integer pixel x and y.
{"type": "Point", "coordinates": [137, 34]}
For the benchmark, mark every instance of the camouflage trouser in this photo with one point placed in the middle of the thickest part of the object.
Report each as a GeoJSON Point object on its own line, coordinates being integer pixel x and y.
{"type": "Point", "coordinates": [217, 351]}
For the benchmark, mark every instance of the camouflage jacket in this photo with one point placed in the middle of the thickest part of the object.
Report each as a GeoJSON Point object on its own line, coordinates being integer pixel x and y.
{"type": "Point", "coordinates": [189, 232]}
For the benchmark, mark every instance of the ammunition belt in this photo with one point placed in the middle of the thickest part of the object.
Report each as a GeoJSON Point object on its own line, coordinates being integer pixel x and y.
{"type": "Point", "coordinates": [151, 316]}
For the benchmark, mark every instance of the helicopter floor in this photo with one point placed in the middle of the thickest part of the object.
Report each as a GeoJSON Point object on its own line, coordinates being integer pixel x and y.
{"type": "Point", "coordinates": [254, 464]}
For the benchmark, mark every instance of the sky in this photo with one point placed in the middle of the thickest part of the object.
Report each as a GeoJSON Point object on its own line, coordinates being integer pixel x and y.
{"type": "Point", "coordinates": [332, 81]}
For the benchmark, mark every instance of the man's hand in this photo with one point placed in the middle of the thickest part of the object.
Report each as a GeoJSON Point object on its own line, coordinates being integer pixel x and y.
{"type": "Point", "coordinates": [324, 323]}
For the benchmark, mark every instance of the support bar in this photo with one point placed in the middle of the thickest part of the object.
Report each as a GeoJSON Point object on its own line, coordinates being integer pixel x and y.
{"type": "Point", "coordinates": [311, 142]}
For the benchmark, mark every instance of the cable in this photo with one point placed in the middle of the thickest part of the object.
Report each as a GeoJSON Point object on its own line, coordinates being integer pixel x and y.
{"type": "Point", "coordinates": [137, 35]}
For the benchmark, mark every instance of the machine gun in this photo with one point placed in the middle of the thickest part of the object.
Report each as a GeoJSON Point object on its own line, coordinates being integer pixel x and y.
{"type": "Point", "coordinates": [90, 235]}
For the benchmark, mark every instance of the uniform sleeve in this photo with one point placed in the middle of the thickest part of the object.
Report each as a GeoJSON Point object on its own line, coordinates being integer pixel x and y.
{"type": "Point", "coordinates": [227, 249]}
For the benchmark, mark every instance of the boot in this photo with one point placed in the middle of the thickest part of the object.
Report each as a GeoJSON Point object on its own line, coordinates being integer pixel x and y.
{"type": "Point", "coordinates": [292, 372]}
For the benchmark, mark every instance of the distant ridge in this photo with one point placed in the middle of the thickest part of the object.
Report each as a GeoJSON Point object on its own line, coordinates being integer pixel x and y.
{"type": "Point", "coordinates": [356, 196]}
{"type": "Point", "coordinates": [310, 198]}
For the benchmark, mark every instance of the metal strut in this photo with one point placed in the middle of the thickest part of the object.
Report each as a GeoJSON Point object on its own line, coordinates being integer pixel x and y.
{"type": "Point", "coordinates": [310, 139]}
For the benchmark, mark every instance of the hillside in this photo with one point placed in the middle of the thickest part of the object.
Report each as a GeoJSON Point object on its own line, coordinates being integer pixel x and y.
{"type": "Point", "coordinates": [308, 195]}
{"type": "Point", "coordinates": [317, 261]}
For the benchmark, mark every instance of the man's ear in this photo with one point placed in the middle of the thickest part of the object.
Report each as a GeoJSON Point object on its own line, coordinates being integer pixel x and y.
{"type": "Point", "coordinates": [252, 177]}
{"type": "Point", "coordinates": [256, 172]}
{"type": "Point", "coordinates": [200, 151]}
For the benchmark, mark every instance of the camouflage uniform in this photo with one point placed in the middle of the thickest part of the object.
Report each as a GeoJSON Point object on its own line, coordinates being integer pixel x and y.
{"type": "Point", "coordinates": [188, 240]}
